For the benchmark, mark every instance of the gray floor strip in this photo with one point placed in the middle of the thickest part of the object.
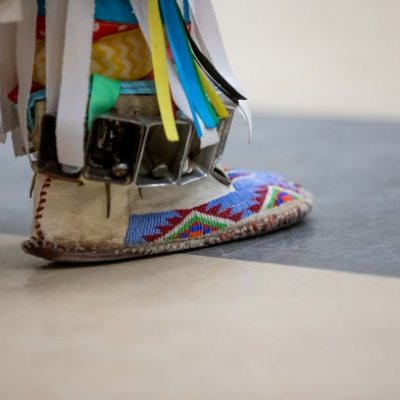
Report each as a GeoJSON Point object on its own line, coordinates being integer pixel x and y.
{"type": "Point", "coordinates": [353, 168]}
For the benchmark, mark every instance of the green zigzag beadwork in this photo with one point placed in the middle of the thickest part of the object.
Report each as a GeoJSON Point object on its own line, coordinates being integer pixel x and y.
{"type": "Point", "coordinates": [196, 226]}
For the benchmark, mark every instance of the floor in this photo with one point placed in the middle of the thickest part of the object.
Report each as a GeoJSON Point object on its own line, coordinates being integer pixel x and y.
{"type": "Point", "coordinates": [353, 169]}
{"type": "Point", "coordinates": [309, 310]}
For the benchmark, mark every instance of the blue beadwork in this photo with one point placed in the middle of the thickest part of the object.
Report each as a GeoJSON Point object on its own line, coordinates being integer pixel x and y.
{"type": "Point", "coordinates": [250, 192]}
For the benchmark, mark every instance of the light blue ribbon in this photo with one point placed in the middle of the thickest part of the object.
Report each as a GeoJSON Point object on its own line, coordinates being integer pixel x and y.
{"type": "Point", "coordinates": [185, 65]}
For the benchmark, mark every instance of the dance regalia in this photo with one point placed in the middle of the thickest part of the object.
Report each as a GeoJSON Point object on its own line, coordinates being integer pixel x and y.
{"type": "Point", "coordinates": [123, 108]}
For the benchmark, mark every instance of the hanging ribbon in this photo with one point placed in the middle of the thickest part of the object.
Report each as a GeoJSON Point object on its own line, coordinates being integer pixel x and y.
{"type": "Point", "coordinates": [213, 73]}
{"type": "Point", "coordinates": [209, 136]}
{"type": "Point", "coordinates": [56, 17]}
{"type": "Point", "coordinates": [26, 40]}
{"type": "Point", "coordinates": [209, 37]}
{"type": "Point", "coordinates": [213, 96]}
{"type": "Point", "coordinates": [8, 78]}
{"type": "Point", "coordinates": [215, 99]}
{"type": "Point", "coordinates": [74, 93]}
{"type": "Point", "coordinates": [103, 97]}
{"type": "Point", "coordinates": [185, 64]}
{"type": "Point", "coordinates": [160, 65]}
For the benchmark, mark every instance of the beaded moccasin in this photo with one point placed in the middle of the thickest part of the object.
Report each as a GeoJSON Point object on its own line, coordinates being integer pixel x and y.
{"type": "Point", "coordinates": [71, 225]}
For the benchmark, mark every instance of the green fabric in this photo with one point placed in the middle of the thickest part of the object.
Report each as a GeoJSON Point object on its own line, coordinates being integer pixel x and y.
{"type": "Point", "coordinates": [103, 97]}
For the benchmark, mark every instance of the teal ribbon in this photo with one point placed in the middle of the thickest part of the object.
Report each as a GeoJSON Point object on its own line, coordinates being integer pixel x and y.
{"type": "Point", "coordinates": [186, 67]}
{"type": "Point", "coordinates": [104, 95]}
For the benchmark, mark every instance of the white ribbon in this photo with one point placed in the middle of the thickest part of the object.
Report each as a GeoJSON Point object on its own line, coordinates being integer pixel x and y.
{"type": "Point", "coordinates": [26, 40]}
{"type": "Point", "coordinates": [10, 11]}
{"type": "Point", "coordinates": [8, 78]}
{"type": "Point", "coordinates": [209, 37]}
{"type": "Point", "coordinates": [210, 136]}
{"type": "Point", "coordinates": [56, 17]}
{"type": "Point", "coordinates": [74, 93]}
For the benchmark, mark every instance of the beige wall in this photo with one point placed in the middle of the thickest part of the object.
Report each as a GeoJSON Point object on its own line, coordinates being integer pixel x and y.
{"type": "Point", "coordinates": [340, 57]}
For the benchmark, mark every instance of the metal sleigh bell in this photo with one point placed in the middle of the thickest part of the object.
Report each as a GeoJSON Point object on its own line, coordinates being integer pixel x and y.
{"type": "Point", "coordinates": [129, 146]}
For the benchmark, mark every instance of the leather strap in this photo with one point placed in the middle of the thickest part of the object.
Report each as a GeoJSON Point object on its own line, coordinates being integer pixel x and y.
{"type": "Point", "coordinates": [74, 94]}
{"type": "Point", "coordinates": [56, 17]}
{"type": "Point", "coordinates": [26, 39]}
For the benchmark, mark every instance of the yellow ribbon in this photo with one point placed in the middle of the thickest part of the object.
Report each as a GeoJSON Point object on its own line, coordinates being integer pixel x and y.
{"type": "Point", "coordinates": [159, 57]}
{"type": "Point", "coordinates": [213, 96]}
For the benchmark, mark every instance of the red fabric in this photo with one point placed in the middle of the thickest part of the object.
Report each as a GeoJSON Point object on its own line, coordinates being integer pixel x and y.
{"type": "Point", "coordinates": [13, 96]}
{"type": "Point", "coordinates": [100, 29]}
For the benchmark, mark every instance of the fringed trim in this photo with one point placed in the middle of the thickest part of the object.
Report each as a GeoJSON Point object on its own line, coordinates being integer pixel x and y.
{"type": "Point", "coordinates": [189, 67]}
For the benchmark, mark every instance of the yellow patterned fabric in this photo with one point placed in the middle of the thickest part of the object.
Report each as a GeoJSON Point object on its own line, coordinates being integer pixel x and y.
{"type": "Point", "coordinates": [39, 68]}
{"type": "Point", "coordinates": [123, 56]}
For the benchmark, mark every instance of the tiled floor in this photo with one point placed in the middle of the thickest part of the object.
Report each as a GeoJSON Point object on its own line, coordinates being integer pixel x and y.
{"type": "Point", "coordinates": [308, 312]}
